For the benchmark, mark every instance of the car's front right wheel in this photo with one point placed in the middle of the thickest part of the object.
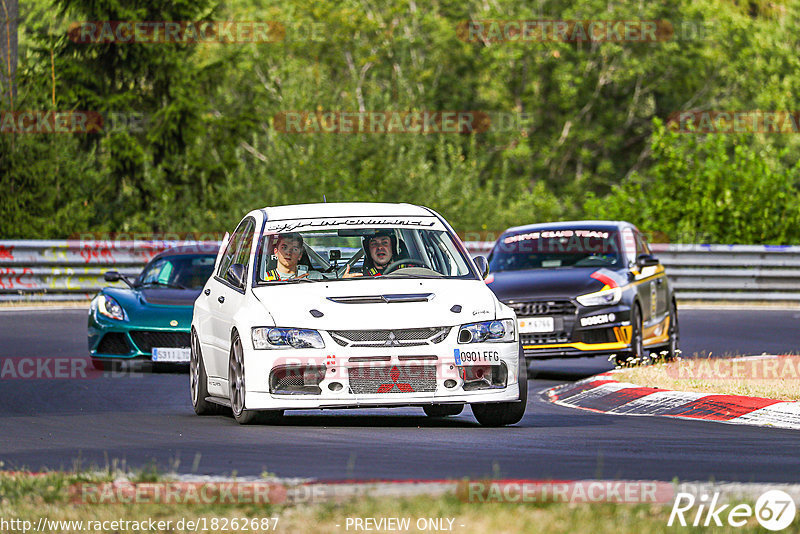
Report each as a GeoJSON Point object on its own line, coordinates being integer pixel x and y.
{"type": "Point", "coordinates": [198, 381]}
{"type": "Point", "coordinates": [506, 413]}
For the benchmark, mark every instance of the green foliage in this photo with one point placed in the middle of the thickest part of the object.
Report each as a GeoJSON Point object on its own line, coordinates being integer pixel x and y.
{"type": "Point", "coordinates": [592, 142]}
{"type": "Point", "coordinates": [709, 189]}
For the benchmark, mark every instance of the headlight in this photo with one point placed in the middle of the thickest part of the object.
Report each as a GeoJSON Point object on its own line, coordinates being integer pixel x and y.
{"type": "Point", "coordinates": [501, 331]}
{"type": "Point", "coordinates": [110, 308]}
{"type": "Point", "coordinates": [286, 338]}
{"type": "Point", "coordinates": [607, 297]}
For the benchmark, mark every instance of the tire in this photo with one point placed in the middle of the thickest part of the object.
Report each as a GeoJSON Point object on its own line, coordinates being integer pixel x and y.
{"type": "Point", "coordinates": [443, 410]}
{"type": "Point", "coordinates": [637, 343]}
{"type": "Point", "coordinates": [238, 394]}
{"type": "Point", "coordinates": [506, 413]}
{"type": "Point", "coordinates": [674, 333]}
{"type": "Point", "coordinates": [198, 382]}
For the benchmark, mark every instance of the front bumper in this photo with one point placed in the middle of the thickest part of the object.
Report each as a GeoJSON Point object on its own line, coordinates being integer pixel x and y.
{"type": "Point", "coordinates": [578, 332]}
{"type": "Point", "coordinates": [384, 376]}
{"type": "Point", "coordinates": [123, 342]}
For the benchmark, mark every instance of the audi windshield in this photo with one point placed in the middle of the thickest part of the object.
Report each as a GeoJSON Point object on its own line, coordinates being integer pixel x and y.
{"type": "Point", "coordinates": [553, 249]}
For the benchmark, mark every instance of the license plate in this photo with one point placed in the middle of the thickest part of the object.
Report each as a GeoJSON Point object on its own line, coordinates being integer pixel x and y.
{"type": "Point", "coordinates": [171, 355]}
{"type": "Point", "coordinates": [534, 325]}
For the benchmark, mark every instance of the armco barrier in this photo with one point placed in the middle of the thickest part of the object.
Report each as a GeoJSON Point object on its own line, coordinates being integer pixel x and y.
{"type": "Point", "coordinates": [73, 270]}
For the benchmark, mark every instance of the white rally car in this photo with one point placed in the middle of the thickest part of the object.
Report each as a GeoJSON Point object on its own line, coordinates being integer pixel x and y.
{"type": "Point", "coordinates": [343, 305]}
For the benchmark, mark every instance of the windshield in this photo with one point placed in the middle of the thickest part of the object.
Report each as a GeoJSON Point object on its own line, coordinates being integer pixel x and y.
{"type": "Point", "coordinates": [553, 249]}
{"type": "Point", "coordinates": [359, 253]}
{"type": "Point", "coordinates": [188, 271]}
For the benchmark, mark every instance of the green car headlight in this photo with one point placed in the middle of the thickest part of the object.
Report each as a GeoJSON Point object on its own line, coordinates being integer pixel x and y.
{"type": "Point", "coordinates": [110, 308]}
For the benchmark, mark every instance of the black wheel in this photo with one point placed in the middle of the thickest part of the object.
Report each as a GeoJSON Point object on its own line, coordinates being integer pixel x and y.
{"type": "Point", "coordinates": [636, 353]}
{"type": "Point", "coordinates": [198, 382]}
{"type": "Point", "coordinates": [674, 333]}
{"type": "Point", "coordinates": [236, 387]}
{"type": "Point", "coordinates": [443, 410]}
{"type": "Point", "coordinates": [506, 413]}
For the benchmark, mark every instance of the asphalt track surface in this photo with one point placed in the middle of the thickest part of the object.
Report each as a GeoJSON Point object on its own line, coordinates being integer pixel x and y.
{"type": "Point", "coordinates": [141, 419]}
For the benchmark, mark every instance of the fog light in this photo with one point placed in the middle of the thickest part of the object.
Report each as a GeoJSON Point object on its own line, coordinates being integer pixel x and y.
{"type": "Point", "coordinates": [296, 379]}
{"type": "Point", "coordinates": [484, 376]}
{"type": "Point", "coordinates": [450, 383]}
{"type": "Point", "coordinates": [335, 386]}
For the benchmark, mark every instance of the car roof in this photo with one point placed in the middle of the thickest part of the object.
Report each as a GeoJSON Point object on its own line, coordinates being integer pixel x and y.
{"type": "Point", "coordinates": [204, 248]}
{"type": "Point", "coordinates": [345, 209]}
{"type": "Point", "coordinates": [566, 225]}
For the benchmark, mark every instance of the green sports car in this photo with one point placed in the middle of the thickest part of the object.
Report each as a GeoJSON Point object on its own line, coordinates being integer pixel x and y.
{"type": "Point", "coordinates": [151, 318]}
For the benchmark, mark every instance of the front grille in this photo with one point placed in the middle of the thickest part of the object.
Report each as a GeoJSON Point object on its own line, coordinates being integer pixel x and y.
{"type": "Point", "coordinates": [543, 307]}
{"type": "Point", "coordinates": [596, 335]}
{"type": "Point", "coordinates": [394, 379]}
{"type": "Point", "coordinates": [147, 339]}
{"type": "Point", "coordinates": [543, 339]}
{"type": "Point", "coordinates": [114, 343]}
{"type": "Point", "coordinates": [408, 337]}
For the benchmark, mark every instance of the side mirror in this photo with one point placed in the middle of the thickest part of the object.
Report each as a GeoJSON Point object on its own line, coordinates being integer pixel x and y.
{"type": "Point", "coordinates": [646, 260]}
{"type": "Point", "coordinates": [482, 265]}
{"type": "Point", "coordinates": [235, 275]}
{"type": "Point", "coordinates": [114, 276]}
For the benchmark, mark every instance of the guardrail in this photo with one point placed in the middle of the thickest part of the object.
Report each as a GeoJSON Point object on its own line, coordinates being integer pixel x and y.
{"type": "Point", "coordinates": [73, 270]}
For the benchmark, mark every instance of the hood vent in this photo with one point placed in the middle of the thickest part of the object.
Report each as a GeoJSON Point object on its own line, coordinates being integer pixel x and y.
{"type": "Point", "coordinates": [380, 299]}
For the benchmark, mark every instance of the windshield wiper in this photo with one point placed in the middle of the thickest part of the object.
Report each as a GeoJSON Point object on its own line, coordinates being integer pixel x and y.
{"type": "Point", "coordinates": [421, 276]}
{"type": "Point", "coordinates": [163, 284]}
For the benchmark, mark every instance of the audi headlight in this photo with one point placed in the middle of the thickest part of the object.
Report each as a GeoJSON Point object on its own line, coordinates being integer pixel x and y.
{"type": "Point", "coordinates": [110, 308]}
{"type": "Point", "coordinates": [286, 338]}
{"type": "Point", "coordinates": [606, 297]}
{"type": "Point", "coordinates": [501, 331]}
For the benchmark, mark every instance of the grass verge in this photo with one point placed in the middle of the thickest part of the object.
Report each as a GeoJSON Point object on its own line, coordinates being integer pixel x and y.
{"type": "Point", "coordinates": [26, 497]}
{"type": "Point", "coordinates": [772, 377]}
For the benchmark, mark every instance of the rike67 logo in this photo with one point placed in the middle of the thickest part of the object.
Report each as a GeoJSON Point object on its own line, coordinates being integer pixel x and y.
{"type": "Point", "coordinates": [774, 510]}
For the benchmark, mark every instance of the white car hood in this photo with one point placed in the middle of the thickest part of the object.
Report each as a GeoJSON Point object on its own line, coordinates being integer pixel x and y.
{"type": "Point", "coordinates": [291, 304]}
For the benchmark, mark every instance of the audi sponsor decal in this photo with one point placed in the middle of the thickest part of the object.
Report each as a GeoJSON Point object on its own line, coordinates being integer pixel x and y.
{"type": "Point", "coordinates": [593, 320]}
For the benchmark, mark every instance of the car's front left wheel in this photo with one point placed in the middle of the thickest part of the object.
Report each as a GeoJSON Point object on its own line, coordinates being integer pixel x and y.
{"type": "Point", "coordinates": [238, 392]}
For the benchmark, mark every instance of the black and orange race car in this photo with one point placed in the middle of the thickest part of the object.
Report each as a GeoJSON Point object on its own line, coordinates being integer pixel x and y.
{"type": "Point", "coordinates": [585, 288]}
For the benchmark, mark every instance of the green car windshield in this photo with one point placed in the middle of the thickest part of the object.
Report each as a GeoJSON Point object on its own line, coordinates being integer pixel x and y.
{"type": "Point", "coordinates": [185, 271]}
{"type": "Point", "coordinates": [553, 249]}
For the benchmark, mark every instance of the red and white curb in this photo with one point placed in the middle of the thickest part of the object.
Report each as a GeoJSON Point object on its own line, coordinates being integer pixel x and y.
{"type": "Point", "coordinates": [602, 393]}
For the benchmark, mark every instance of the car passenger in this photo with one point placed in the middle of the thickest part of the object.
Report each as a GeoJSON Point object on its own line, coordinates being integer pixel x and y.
{"type": "Point", "coordinates": [288, 249]}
